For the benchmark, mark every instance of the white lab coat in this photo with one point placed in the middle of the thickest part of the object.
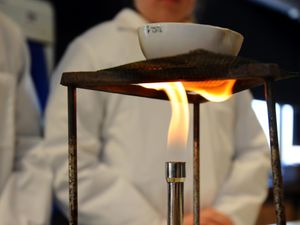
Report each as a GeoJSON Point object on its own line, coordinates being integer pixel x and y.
{"type": "Point", "coordinates": [20, 132]}
{"type": "Point", "coordinates": [122, 142]}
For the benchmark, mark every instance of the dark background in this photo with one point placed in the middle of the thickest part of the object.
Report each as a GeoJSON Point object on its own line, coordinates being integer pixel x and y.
{"type": "Point", "coordinates": [73, 18]}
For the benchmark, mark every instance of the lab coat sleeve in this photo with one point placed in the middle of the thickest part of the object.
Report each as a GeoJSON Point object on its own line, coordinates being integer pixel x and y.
{"type": "Point", "coordinates": [7, 121]}
{"type": "Point", "coordinates": [246, 186]}
{"type": "Point", "coordinates": [25, 181]}
{"type": "Point", "coordinates": [104, 196]}
{"type": "Point", "coordinates": [26, 197]}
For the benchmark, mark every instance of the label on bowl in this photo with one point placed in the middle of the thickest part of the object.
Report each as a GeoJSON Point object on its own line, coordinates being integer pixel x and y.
{"type": "Point", "coordinates": [153, 29]}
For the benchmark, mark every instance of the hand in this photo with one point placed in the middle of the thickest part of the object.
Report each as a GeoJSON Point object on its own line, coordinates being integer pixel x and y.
{"type": "Point", "coordinates": [188, 219]}
{"type": "Point", "coordinates": [209, 216]}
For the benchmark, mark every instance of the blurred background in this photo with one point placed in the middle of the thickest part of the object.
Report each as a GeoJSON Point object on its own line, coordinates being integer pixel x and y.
{"type": "Point", "coordinates": [272, 35]}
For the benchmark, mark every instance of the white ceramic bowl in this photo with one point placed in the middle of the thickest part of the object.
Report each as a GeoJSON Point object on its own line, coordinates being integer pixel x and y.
{"type": "Point", "coordinates": [169, 39]}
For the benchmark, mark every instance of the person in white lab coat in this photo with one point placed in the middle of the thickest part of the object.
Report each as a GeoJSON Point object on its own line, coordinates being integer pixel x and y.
{"type": "Point", "coordinates": [122, 139]}
{"type": "Point", "coordinates": [20, 190]}
{"type": "Point", "coordinates": [19, 116]}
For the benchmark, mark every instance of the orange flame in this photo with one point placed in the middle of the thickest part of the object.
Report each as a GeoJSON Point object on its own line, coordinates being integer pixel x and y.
{"type": "Point", "coordinates": [180, 112]}
{"type": "Point", "coordinates": [214, 90]}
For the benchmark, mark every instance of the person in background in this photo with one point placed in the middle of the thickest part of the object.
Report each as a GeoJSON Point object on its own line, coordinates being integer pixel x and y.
{"type": "Point", "coordinates": [122, 139]}
{"type": "Point", "coordinates": [20, 190]}
{"type": "Point", "coordinates": [19, 114]}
